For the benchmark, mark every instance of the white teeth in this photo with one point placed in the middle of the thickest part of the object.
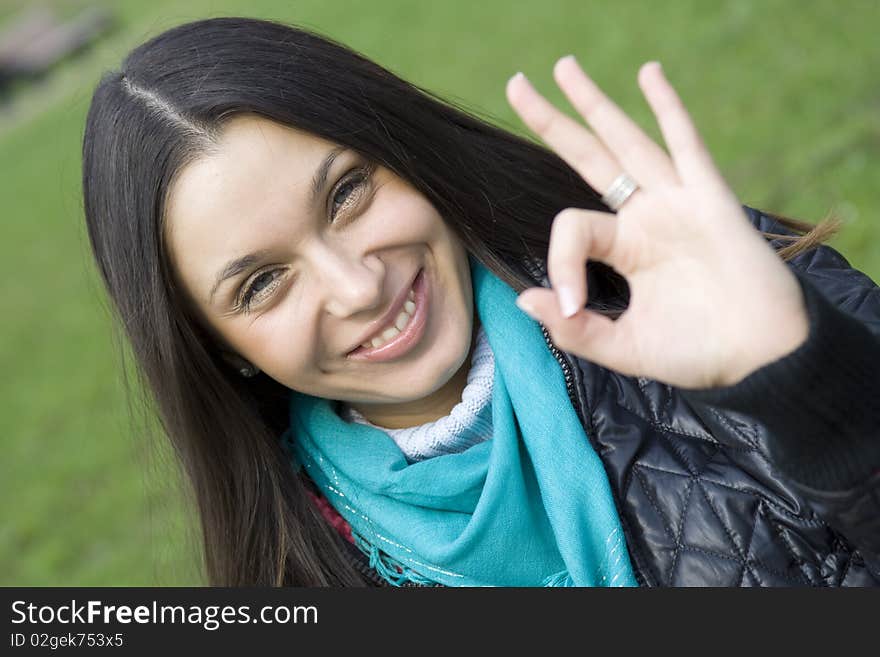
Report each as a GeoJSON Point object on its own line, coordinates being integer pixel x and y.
{"type": "Point", "coordinates": [409, 307]}
{"type": "Point", "coordinates": [391, 332]}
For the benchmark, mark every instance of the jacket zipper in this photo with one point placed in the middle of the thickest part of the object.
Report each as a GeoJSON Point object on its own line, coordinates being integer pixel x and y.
{"type": "Point", "coordinates": [537, 274]}
{"type": "Point", "coordinates": [564, 363]}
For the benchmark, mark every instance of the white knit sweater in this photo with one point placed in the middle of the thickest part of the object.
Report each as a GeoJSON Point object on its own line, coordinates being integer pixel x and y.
{"type": "Point", "coordinates": [468, 423]}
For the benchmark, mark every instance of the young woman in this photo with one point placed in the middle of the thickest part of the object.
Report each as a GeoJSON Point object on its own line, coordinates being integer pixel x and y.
{"type": "Point", "coordinates": [317, 266]}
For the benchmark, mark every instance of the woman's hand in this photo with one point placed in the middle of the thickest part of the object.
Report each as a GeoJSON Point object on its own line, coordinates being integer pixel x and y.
{"type": "Point", "coordinates": [710, 301]}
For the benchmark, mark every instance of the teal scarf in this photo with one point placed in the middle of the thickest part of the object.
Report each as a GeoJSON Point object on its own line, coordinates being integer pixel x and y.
{"type": "Point", "coordinates": [530, 507]}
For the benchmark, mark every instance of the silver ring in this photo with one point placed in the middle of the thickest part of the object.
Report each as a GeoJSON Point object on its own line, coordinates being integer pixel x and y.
{"type": "Point", "coordinates": [620, 190]}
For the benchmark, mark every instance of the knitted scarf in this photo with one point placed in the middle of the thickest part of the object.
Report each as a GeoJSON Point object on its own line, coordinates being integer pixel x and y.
{"type": "Point", "coordinates": [531, 507]}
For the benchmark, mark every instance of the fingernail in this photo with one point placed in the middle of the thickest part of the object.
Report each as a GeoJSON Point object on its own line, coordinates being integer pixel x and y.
{"type": "Point", "coordinates": [568, 301]}
{"type": "Point", "coordinates": [526, 307]}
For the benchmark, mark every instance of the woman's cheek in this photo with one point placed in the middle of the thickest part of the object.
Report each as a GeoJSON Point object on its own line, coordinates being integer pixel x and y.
{"type": "Point", "coordinates": [273, 342]}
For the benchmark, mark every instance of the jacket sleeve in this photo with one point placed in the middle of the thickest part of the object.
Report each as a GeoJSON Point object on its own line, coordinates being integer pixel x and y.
{"type": "Point", "coordinates": [820, 403]}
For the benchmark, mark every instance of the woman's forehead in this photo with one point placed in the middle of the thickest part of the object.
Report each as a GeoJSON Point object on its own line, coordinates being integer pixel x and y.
{"type": "Point", "coordinates": [257, 163]}
{"type": "Point", "coordinates": [252, 131]}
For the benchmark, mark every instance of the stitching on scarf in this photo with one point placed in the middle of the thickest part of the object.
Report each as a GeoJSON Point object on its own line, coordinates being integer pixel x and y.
{"type": "Point", "coordinates": [379, 537]}
{"type": "Point", "coordinates": [390, 542]}
{"type": "Point", "coordinates": [605, 567]}
{"type": "Point", "coordinates": [435, 568]}
{"type": "Point", "coordinates": [335, 490]}
{"type": "Point", "coordinates": [615, 550]}
{"type": "Point", "coordinates": [376, 535]}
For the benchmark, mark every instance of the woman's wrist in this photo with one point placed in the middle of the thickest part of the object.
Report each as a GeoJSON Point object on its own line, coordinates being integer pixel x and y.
{"type": "Point", "coordinates": [819, 403]}
{"type": "Point", "coordinates": [789, 338]}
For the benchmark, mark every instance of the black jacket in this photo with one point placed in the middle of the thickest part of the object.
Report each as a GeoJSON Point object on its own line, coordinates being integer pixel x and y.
{"type": "Point", "coordinates": [771, 482]}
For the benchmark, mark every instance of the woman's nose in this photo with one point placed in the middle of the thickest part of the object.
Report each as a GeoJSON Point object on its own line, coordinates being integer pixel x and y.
{"type": "Point", "coordinates": [352, 284]}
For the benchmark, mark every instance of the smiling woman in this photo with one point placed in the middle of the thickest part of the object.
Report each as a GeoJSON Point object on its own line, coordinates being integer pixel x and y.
{"type": "Point", "coordinates": [334, 247]}
{"type": "Point", "coordinates": [317, 266]}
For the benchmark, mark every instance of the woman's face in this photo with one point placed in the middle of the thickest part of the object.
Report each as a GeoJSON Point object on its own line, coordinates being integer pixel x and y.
{"type": "Point", "coordinates": [293, 270]}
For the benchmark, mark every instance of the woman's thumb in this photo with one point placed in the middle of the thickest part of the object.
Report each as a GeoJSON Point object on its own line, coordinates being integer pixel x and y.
{"type": "Point", "coordinates": [587, 334]}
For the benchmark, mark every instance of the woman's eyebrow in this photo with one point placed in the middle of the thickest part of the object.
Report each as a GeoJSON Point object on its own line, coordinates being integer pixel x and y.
{"type": "Point", "coordinates": [234, 268]}
{"type": "Point", "coordinates": [238, 265]}
{"type": "Point", "coordinates": [319, 180]}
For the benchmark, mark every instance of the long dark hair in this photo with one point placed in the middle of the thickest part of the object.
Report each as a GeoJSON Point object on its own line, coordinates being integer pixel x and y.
{"type": "Point", "coordinates": [165, 107]}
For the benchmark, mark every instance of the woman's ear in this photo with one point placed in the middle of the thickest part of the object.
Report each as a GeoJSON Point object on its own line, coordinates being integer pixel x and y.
{"type": "Point", "coordinates": [244, 367]}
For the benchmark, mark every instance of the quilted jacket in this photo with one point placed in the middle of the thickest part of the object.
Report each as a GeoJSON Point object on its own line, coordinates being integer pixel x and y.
{"type": "Point", "coordinates": [700, 499]}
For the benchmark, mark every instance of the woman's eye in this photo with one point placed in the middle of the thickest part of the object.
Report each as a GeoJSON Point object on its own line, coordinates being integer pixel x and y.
{"type": "Point", "coordinates": [344, 192]}
{"type": "Point", "coordinates": [261, 281]}
{"type": "Point", "coordinates": [260, 288]}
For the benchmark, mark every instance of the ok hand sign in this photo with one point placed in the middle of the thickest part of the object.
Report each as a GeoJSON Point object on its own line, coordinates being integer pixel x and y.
{"type": "Point", "coordinates": [710, 301]}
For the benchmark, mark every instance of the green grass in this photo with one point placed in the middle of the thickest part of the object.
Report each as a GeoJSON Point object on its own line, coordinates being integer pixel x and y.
{"type": "Point", "coordinates": [784, 92]}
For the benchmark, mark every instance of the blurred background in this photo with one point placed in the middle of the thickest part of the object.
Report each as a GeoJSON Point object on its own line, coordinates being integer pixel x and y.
{"type": "Point", "coordinates": [785, 93]}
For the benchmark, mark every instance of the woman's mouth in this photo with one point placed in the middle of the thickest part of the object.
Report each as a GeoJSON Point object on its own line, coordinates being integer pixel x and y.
{"type": "Point", "coordinates": [401, 334]}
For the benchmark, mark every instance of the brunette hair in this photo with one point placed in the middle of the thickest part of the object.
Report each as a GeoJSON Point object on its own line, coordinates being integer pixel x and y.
{"type": "Point", "coordinates": [165, 107]}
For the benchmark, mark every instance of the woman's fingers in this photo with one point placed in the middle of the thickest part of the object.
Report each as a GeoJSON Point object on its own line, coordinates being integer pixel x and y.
{"type": "Point", "coordinates": [619, 144]}
{"type": "Point", "coordinates": [588, 334]}
{"type": "Point", "coordinates": [575, 236]}
{"type": "Point", "coordinates": [690, 155]}
{"type": "Point", "coordinates": [569, 139]}
{"type": "Point", "coordinates": [637, 153]}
